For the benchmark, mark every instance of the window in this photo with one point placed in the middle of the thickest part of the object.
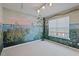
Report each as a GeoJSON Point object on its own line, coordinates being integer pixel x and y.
{"type": "Point", "coordinates": [59, 27]}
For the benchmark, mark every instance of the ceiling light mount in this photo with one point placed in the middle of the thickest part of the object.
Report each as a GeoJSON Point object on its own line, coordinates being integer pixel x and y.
{"type": "Point", "coordinates": [43, 6]}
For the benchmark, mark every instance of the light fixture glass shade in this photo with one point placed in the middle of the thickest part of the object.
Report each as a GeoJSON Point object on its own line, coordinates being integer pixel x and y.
{"type": "Point", "coordinates": [38, 11]}
{"type": "Point", "coordinates": [50, 4]}
{"type": "Point", "coordinates": [43, 7]}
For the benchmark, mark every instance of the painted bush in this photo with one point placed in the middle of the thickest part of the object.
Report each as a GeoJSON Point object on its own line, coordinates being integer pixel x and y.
{"type": "Point", "coordinates": [74, 34]}
{"type": "Point", "coordinates": [14, 36]}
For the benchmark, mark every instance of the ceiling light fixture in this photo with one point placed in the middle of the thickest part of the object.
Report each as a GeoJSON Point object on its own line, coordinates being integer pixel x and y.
{"type": "Point", "coordinates": [38, 11]}
{"type": "Point", "coordinates": [50, 4]}
{"type": "Point", "coordinates": [43, 7]}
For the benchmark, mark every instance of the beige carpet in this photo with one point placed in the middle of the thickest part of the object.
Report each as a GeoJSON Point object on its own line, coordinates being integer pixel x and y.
{"type": "Point", "coordinates": [40, 48]}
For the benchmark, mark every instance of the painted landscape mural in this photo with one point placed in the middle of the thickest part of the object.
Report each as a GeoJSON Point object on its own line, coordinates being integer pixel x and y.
{"type": "Point", "coordinates": [21, 30]}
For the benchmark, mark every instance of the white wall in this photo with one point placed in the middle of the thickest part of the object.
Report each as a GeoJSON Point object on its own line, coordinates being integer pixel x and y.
{"type": "Point", "coordinates": [1, 13]}
{"type": "Point", "coordinates": [74, 17]}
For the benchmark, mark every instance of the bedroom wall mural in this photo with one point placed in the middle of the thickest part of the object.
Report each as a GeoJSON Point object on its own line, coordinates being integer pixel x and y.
{"type": "Point", "coordinates": [20, 30]}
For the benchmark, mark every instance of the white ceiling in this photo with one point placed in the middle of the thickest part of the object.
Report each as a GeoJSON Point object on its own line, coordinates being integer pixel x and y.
{"type": "Point", "coordinates": [31, 8]}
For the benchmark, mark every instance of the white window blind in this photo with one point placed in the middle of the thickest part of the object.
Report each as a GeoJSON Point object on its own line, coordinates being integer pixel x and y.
{"type": "Point", "coordinates": [59, 27]}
